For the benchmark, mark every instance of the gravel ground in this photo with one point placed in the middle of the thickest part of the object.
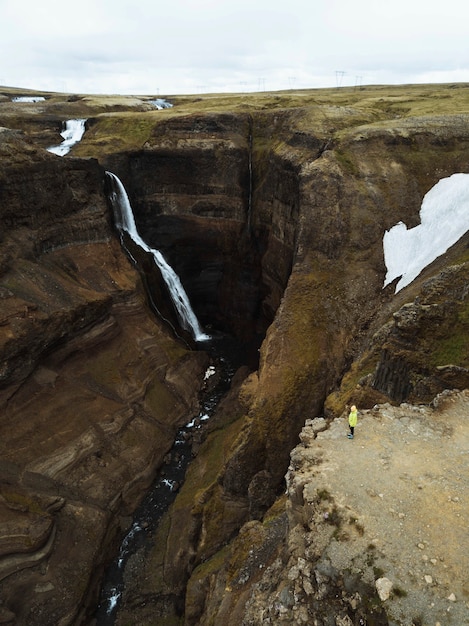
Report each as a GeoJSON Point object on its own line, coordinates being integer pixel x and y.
{"type": "Point", "coordinates": [404, 482]}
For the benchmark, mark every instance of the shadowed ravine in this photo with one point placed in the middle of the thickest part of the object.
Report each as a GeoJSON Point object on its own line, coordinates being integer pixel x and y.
{"type": "Point", "coordinates": [226, 358]}
{"type": "Point", "coordinates": [139, 538]}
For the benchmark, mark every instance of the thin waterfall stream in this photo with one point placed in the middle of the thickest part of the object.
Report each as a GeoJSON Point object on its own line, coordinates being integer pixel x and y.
{"type": "Point", "coordinates": [250, 177]}
{"type": "Point", "coordinates": [72, 133]}
{"type": "Point", "coordinates": [125, 222]}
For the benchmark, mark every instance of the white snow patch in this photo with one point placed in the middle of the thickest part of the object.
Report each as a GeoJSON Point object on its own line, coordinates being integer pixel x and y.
{"type": "Point", "coordinates": [444, 218]}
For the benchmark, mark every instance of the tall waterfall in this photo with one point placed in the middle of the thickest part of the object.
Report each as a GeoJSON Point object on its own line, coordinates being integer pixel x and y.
{"type": "Point", "coordinates": [72, 134]}
{"type": "Point", "coordinates": [125, 222]}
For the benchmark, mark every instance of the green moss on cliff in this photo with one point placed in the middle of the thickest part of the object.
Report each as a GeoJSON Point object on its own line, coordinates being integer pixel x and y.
{"type": "Point", "coordinates": [347, 161]}
{"type": "Point", "coordinates": [117, 132]}
{"type": "Point", "coordinates": [206, 467]}
{"type": "Point", "coordinates": [237, 567]}
{"type": "Point", "coordinates": [22, 501]}
{"type": "Point", "coordinates": [306, 349]}
{"type": "Point", "coordinates": [353, 388]}
{"type": "Point", "coordinates": [452, 349]}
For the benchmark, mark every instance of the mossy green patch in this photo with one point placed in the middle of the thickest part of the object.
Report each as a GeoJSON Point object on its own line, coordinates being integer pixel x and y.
{"type": "Point", "coordinates": [22, 501]}
{"type": "Point", "coordinates": [347, 161]}
{"type": "Point", "coordinates": [452, 350]}
{"type": "Point", "coordinates": [159, 398]}
{"type": "Point", "coordinates": [211, 565]}
{"type": "Point", "coordinates": [324, 495]}
{"type": "Point", "coordinates": [277, 509]}
{"type": "Point", "coordinates": [350, 387]}
{"type": "Point", "coordinates": [117, 132]}
{"type": "Point", "coordinates": [449, 343]}
{"type": "Point", "coordinates": [206, 467]}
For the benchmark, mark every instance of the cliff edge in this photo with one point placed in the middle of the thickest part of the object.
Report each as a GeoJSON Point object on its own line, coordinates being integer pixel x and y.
{"type": "Point", "coordinates": [375, 527]}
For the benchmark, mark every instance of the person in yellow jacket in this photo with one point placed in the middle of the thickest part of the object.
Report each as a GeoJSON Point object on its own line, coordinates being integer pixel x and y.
{"type": "Point", "coordinates": [352, 420]}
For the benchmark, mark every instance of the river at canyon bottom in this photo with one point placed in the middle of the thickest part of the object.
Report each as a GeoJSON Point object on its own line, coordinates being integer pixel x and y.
{"type": "Point", "coordinates": [226, 356]}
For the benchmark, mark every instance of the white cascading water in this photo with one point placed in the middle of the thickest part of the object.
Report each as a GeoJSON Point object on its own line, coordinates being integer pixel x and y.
{"type": "Point", "coordinates": [161, 104]}
{"type": "Point", "coordinates": [29, 99]}
{"type": "Point", "coordinates": [72, 134]}
{"type": "Point", "coordinates": [125, 221]}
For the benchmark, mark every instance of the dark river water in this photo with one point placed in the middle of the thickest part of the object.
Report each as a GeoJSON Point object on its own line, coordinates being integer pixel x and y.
{"type": "Point", "coordinates": [226, 356]}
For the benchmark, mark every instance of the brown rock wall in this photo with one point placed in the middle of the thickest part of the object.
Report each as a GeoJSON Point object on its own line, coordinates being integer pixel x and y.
{"type": "Point", "coordinates": [49, 195]}
{"type": "Point", "coordinates": [202, 194]}
{"type": "Point", "coordinates": [93, 388]}
{"type": "Point", "coordinates": [334, 294]}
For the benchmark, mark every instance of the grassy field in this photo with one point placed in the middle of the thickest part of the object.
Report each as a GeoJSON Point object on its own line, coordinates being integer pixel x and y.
{"type": "Point", "coordinates": [390, 100]}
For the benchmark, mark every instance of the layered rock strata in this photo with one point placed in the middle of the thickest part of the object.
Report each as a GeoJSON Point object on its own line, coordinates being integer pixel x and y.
{"type": "Point", "coordinates": [93, 388]}
{"type": "Point", "coordinates": [332, 311]}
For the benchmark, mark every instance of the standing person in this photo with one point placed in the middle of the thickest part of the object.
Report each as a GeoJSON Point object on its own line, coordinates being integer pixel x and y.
{"type": "Point", "coordinates": [352, 420]}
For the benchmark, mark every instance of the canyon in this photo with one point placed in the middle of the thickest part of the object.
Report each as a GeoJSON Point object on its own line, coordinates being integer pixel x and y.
{"type": "Point", "coordinates": [272, 210]}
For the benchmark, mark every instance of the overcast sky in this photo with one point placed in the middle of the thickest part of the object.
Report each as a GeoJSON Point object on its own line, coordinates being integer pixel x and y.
{"type": "Point", "coordinates": [192, 46]}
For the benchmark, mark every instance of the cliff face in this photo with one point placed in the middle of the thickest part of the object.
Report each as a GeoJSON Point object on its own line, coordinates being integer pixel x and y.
{"type": "Point", "coordinates": [369, 531]}
{"type": "Point", "coordinates": [92, 388]}
{"type": "Point", "coordinates": [273, 215]}
{"type": "Point", "coordinates": [328, 210]}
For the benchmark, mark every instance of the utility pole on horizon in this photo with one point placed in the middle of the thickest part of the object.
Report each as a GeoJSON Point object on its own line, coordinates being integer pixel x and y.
{"type": "Point", "coordinates": [339, 74]}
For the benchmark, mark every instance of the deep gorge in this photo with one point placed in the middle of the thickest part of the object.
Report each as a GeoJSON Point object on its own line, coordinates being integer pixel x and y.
{"type": "Point", "coordinates": [273, 216]}
{"type": "Point", "coordinates": [221, 262]}
{"type": "Point", "coordinates": [235, 266]}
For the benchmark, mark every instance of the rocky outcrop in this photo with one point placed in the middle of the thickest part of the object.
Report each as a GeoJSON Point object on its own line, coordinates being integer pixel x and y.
{"type": "Point", "coordinates": [369, 531]}
{"type": "Point", "coordinates": [416, 349]}
{"type": "Point", "coordinates": [426, 324]}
